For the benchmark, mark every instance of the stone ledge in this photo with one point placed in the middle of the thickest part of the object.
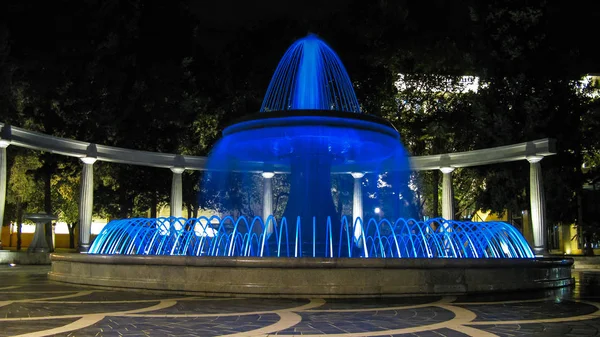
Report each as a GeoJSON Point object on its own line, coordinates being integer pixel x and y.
{"type": "Point", "coordinates": [586, 262]}
{"type": "Point", "coordinates": [24, 258]}
{"type": "Point", "coordinates": [308, 277]}
{"type": "Point", "coordinates": [310, 263]}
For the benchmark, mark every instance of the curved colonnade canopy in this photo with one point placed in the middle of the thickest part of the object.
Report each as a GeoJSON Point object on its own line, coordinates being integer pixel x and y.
{"type": "Point", "coordinates": [16, 136]}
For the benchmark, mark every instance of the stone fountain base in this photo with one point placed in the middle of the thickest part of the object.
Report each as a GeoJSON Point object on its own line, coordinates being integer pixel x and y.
{"type": "Point", "coordinates": [311, 277]}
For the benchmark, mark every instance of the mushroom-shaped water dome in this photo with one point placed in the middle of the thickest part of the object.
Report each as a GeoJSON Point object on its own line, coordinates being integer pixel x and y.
{"type": "Point", "coordinates": [310, 76]}
{"type": "Point", "coordinates": [311, 135]}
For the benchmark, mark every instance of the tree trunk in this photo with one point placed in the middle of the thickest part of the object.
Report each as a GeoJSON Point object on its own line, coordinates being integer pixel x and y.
{"type": "Point", "coordinates": [189, 210]}
{"type": "Point", "coordinates": [435, 181]}
{"type": "Point", "coordinates": [122, 201]}
{"type": "Point", "coordinates": [195, 211]}
{"type": "Point", "coordinates": [71, 228]}
{"type": "Point", "coordinates": [19, 223]}
{"type": "Point", "coordinates": [154, 205]}
{"type": "Point", "coordinates": [588, 250]}
{"type": "Point", "coordinates": [48, 205]}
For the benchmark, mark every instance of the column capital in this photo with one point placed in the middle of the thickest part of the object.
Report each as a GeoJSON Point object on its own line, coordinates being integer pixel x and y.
{"type": "Point", "coordinates": [357, 175]}
{"type": "Point", "coordinates": [268, 175]}
{"type": "Point", "coordinates": [534, 159]}
{"type": "Point", "coordinates": [4, 143]}
{"type": "Point", "coordinates": [177, 170]}
{"type": "Point", "coordinates": [88, 160]}
{"type": "Point", "coordinates": [447, 169]}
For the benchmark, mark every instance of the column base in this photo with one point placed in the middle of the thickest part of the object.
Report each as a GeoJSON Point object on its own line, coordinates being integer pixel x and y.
{"type": "Point", "coordinates": [38, 250]}
{"type": "Point", "coordinates": [540, 252]}
{"type": "Point", "coordinates": [84, 248]}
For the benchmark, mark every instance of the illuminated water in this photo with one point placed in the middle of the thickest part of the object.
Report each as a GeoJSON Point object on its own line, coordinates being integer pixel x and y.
{"type": "Point", "coordinates": [310, 76]}
{"type": "Point", "coordinates": [248, 237]}
{"type": "Point", "coordinates": [310, 135]}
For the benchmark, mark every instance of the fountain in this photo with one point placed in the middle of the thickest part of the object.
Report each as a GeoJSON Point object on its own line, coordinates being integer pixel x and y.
{"type": "Point", "coordinates": [38, 243]}
{"type": "Point", "coordinates": [310, 128]}
{"type": "Point", "coordinates": [311, 132]}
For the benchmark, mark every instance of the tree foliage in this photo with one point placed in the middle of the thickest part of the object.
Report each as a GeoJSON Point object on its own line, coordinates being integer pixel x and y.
{"type": "Point", "coordinates": [168, 77]}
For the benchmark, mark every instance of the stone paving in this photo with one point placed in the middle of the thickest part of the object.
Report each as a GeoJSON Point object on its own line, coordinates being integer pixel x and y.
{"type": "Point", "coordinates": [30, 305]}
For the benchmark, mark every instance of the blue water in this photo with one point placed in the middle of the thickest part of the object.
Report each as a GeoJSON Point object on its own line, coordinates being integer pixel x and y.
{"type": "Point", "coordinates": [349, 145]}
{"type": "Point", "coordinates": [404, 238]}
{"type": "Point", "coordinates": [308, 133]}
{"type": "Point", "coordinates": [312, 153]}
{"type": "Point", "coordinates": [310, 76]}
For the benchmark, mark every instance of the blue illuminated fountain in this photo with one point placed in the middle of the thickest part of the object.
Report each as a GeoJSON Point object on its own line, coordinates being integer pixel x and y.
{"type": "Point", "coordinates": [310, 76]}
{"type": "Point", "coordinates": [310, 130]}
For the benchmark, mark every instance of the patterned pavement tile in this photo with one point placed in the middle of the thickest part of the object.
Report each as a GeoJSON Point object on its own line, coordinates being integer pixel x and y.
{"type": "Point", "coordinates": [529, 310]}
{"type": "Point", "coordinates": [26, 295]}
{"type": "Point", "coordinates": [366, 303]}
{"type": "Point", "coordinates": [167, 326]}
{"type": "Point", "coordinates": [517, 296]}
{"type": "Point", "coordinates": [564, 329]}
{"type": "Point", "coordinates": [41, 309]}
{"type": "Point", "coordinates": [15, 296]}
{"type": "Point", "coordinates": [224, 306]}
{"type": "Point", "coordinates": [369, 321]}
{"type": "Point", "coordinates": [13, 328]}
{"type": "Point", "coordinates": [433, 333]}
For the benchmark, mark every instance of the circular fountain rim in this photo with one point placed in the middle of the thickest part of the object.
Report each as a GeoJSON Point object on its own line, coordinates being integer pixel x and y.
{"type": "Point", "coordinates": [311, 277]}
{"type": "Point", "coordinates": [311, 118]}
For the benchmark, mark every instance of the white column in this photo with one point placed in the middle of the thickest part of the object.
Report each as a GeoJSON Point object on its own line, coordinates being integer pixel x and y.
{"type": "Point", "coordinates": [176, 192]}
{"type": "Point", "coordinates": [267, 194]}
{"type": "Point", "coordinates": [3, 145]}
{"type": "Point", "coordinates": [268, 199]}
{"type": "Point", "coordinates": [447, 195]}
{"type": "Point", "coordinates": [538, 205]}
{"type": "Point", "coordinates": [357, 203]}
{"type": "Point", "coordinates": [86, 203]}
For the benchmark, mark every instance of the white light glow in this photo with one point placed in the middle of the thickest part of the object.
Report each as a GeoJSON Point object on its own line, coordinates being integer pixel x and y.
{"type": "Point", "coordinates": [204, 230]}
{"type": "Point", "coordinates": [357, 175]}
{"type": "Point", "coordinates": [89, 160]}
{"type": "Point", "coordinates": [61, 228]}
{"type": "Point", "coordinates": [25, 228]}
{"type": "Point", "coordinates": [505, 249]}
{"type": "Point", "coordinates": [97, 227]}
{"type": "Point", "coordinates": [4, 143]}
{"type": "Point", "coordinates": [382, 183]}
{"type": "Point", "coordinates": [464, 84]}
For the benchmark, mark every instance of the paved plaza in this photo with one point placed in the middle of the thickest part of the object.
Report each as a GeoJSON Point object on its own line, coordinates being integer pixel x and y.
{"type": "Point", "coordinates": [30, 305]}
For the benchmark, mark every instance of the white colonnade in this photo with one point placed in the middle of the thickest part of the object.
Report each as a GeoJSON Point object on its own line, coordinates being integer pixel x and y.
{"type": "Point", "coordinates": [89, 153]}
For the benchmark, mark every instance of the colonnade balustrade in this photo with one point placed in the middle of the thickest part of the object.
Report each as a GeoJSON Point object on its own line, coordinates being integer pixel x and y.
{"type": "Point", "coordinates": [533, 152]}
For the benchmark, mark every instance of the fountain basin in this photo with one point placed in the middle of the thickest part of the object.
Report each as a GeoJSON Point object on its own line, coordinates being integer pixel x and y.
{"type": "Point", "coordinates": [311, 277]}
